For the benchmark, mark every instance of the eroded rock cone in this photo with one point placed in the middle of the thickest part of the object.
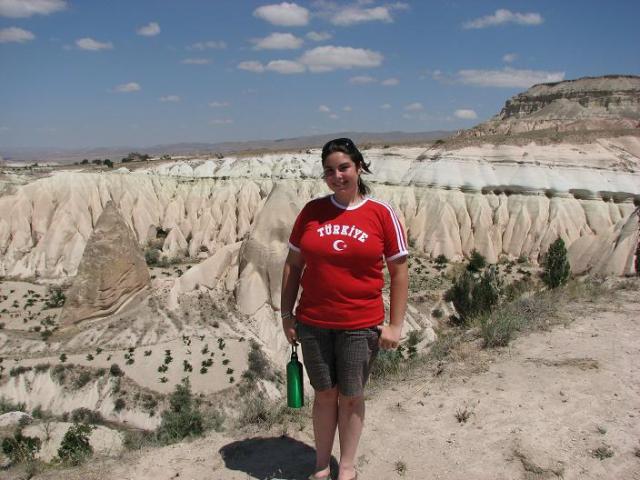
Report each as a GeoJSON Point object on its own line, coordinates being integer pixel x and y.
{"type": "Point", "coordinates": [112, 271]}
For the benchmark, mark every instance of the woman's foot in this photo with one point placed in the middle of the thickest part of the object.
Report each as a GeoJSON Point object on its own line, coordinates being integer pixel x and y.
{"type": "Point", "coordinates": [324, 474]}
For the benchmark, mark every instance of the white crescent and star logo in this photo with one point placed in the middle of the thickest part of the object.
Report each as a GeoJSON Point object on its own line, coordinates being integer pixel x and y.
{"type": "Point", "coordinates": [339, 245]}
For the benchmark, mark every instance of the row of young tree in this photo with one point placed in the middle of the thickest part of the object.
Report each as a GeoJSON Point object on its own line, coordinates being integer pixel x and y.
{"type": "Point", "coordinates": [131, 157]}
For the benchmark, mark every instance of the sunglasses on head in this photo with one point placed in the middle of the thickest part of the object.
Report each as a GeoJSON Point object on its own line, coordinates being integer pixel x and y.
{"type": "Point", "coordinates": [341, 142]}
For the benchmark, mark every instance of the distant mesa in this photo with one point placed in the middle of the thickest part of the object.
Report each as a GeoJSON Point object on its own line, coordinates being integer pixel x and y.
{"type": "Point", "coordinates": [112, 272]}
{"type": "Point", "coordinates": [610, 102]}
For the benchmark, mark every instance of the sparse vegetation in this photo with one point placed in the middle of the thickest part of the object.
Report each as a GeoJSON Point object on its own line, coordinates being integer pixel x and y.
{"type": "Point", "coordinates": [602, 452]}
{"type": "Point", "coordinates": [20, 448]}
{"type": "Point", "coordinates": [86, 415]}
{"type": "Point", "coordinates": [183, 418]}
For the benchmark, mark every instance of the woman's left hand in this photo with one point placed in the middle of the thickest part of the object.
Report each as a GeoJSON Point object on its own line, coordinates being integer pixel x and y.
{"type": "Point", "coordinates": [389, 336]}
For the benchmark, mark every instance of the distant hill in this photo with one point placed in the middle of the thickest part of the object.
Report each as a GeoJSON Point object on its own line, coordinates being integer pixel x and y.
{"type": "Point", "coordinates": [282, 144]}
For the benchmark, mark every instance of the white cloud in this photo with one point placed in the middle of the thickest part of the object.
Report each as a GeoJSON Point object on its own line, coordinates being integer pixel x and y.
{"type": "Point", "coordinates": [285, 67]}
{"type": "Point", "coordinates": [26, 8]}
{"type": "Point", "coordinates": [328, 58]}
{"type": "Point", "coordinates": [150, 30]}
{"type": "Point", "coordinates": [414, 107]}
{"type": "Point", "coordinates": [361, 80]}
{"type": "Point", "coordinates": [319, 36]}
{"type": "Point", "coordinates": [503, 16]}
{"type": "Point", "coordinates": [221, 121]}
{"type": "Point", "coordinates": [324, 109]}
{"type": "Point", "coordinates": [509, 57]}
{"type": "Point", "coordinates": [284, 14]}
{"type": "Point", "coordinates": [251, 66]}
{"type": "Point", "coordinates": [334, 116]}
{"type": "Point", "coordinates": [466, 114]}
{"type": "Point", "coordinates": [507, 77]}
{"type": "Point", "coordinates": [93, 45]}
{"type": "Point", "coordinates": [128, 87]}
{"type": "Point", "coordinates": [347, 108]}
{"type": "Point", "coordinates": [170, 98]}
{"type": "Point", "coordinates": [196, 61]}
{"type": "Point", "coordinates": [385, 106]}
{"type": "Point", "coordinates": [208, 45]}
{"type": "Point", "coordinates": [390, 82]}
{"type": "Point", "coordinates": [219, 104]}
{"type": "Point", "coordinates": [350, 15]}
{"type": "Point", "coordinates": [278, 41]}
{"type": "Point", "coordinates": [15, 34]}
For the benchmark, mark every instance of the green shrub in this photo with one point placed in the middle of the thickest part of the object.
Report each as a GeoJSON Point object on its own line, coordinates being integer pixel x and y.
{"type": "Point", "coordinates": [473, 294]}
{"type": "Point", "coordinates": [115, 370]}
{"type": "Point", "coordinates": [75, 447]}
{"type": "Point", "coordinates": [441, 259]}
{"type": "Point", "coordinates": [82, 379]}
{"type": "Point", "coordinates": [6, 406]}
{"type": "Point", "coordinates": [56, 297]}
{"type": "Point", "coordinates": [556, 265]}
{"type": "Point", "coordinates": [85, 415]}
{"type": "Point", "coordinates": [476, 262]}
{"type": "Point", "coordinates": [119, 404]}
{"type": "Point", "coordinates": [183, 418]}
{"type": "Point", "coordinates": [20, 448]}
{"type": "Point", "coordinates": [152, 256]}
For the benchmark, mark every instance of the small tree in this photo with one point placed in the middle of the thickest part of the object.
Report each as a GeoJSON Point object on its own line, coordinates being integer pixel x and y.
{"type": "Point", "coordinates": [75, 447]}
{"type": "Point", "coordinates": [473, 294]}
{"type": "Point", "coordinates": [556, 265]}
{"type": "Point", "coordinates": [108, 163]}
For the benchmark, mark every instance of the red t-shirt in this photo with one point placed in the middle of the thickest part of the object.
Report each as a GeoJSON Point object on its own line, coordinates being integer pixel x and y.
{"type": "Point", "coordinates": [343, 249]}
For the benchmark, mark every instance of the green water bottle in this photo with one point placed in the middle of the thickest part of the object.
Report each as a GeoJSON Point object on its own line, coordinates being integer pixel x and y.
{"type": "Point", "coordinates": [295, 392]}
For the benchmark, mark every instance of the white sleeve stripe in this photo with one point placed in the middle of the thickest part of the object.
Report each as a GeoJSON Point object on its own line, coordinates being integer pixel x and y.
{"type": "Point", "coordinates": [402, 253]}
{"type": "Point", "coordinates": [293, 247]}
{"type": "Point", "coordinates": [396, 224]}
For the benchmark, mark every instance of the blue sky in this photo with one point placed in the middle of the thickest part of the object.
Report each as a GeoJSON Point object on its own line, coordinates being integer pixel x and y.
{"type": "Point", "coordinates": [90, 73]}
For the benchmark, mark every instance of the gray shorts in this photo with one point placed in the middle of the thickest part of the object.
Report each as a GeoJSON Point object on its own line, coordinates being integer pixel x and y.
{"type": "Point", "coordinates": [338, 357]}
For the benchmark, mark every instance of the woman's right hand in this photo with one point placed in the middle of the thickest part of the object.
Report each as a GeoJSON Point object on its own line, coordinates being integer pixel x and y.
{"type": "Point", "coordinates": [289, 328]}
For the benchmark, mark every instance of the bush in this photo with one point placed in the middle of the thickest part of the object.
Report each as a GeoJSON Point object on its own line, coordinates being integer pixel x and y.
{"type": "Point", "coordinates": [20, 448]}
{"type": "Point", "coordinates": [85, 415]}
{"type": "Point", "coordinates": [476, 262]}
{"type": "Point", "coordinates": [82, 379]}
{"type": "Point", "coordinates": [115, 370]}
{"type": "Point", "coordinates": [75, 447]}
{"type": "Point", "coordinates": [56, 297]}
{"type": "Point", "coordinates": [556, 265]}
{"type": "Point", "coordinates": [258, 364]}
{"type": "Point", "coordinates": [441, 259]}
{"type": "Point", "coordinates": [152, 256]}
{"type": "Point", "coordinates": [473, 295]}
{"type": "Point", "coordinates": [183, 418]}
{"type": "Point", "coordinates": [119, 404]}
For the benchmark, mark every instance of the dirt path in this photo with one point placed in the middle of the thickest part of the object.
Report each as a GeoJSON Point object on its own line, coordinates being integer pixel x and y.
{"type": "Point", "coordinates": [537, 410]}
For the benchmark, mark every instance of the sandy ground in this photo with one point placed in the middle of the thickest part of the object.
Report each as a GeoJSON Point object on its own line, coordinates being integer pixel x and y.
{"type": "Point", "coordinates": [537, 410]}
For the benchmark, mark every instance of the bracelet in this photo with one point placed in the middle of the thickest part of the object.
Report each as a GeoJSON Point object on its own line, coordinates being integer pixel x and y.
{"type": "Point", "coordinates": [286, 315]}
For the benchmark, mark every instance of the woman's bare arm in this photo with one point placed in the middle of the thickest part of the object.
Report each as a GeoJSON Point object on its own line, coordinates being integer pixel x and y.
{"type": "Point", "coordinates": [291, 274]}
{"type": "Point", "coordinates": [399, 271]}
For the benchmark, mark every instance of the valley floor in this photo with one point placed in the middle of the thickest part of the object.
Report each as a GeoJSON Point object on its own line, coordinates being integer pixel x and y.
{"type": "Point", "coordinates": [545, 407]}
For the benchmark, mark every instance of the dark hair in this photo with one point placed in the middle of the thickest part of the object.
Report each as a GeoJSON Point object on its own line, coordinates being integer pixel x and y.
{"type": "Point", "coordinates": [346, 146]}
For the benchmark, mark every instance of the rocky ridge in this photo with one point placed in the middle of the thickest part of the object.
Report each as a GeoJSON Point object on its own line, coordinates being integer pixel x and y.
{"type": "Point", "coordinates": [590, 103]}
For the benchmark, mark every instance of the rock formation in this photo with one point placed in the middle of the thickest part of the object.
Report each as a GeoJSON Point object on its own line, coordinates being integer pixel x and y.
{"type": "Point", "coordinates": [602, 103]}
{"type": "Point", "coordinates": [112, 271]}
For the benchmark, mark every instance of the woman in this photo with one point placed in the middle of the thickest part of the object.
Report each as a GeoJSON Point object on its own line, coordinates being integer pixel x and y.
{"type": "Point", "coordinates": [340, 241]}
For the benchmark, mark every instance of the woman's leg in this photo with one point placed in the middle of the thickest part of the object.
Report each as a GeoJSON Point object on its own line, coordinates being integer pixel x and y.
{"type": "Point", "coordinates": [350, 423]}
{"type": "Point", "coordinates": [325, 420]}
